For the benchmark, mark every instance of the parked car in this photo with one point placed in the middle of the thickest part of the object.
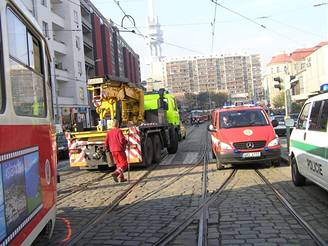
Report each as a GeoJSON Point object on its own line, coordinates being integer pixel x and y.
{"type": "Point", "coordinates": [280, 129]}
{"type": "Point", "coordinates": [242, 135]}
{"type": "Point", "coordinates": [62, 147]}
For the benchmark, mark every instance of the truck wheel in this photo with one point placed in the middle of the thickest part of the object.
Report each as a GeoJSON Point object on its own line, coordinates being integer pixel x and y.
{"type": "Point", "coordinates": [298, 179]}
{"type": "Point", "coordinates": [157, 149]}
{"type": "Point", "coordinates": [174, 142]}
{"type": "Point", "coordinates": [148, 152]}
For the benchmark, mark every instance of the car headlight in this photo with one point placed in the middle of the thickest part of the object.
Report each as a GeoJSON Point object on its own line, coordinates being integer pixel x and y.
{"type": "Point", "coordinates": [274, 142]}
{"type": "Point", "coordinates": [225, 146]}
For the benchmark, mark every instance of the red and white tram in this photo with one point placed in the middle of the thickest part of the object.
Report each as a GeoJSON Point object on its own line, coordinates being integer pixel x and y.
{"type": "Point", "coordinates": [28, 175]}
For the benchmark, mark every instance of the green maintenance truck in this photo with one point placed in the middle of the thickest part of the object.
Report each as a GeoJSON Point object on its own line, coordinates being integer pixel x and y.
{"type": "Point", "coordinates": [150, 122]}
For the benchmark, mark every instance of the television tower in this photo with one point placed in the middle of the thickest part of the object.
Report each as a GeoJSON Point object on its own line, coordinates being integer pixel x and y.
{"type": "Point", "coordinates": [155, 34]}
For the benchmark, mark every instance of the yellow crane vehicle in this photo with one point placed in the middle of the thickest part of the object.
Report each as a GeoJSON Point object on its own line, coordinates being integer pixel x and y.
{"type": "Point", "coordinates": [149, 121]}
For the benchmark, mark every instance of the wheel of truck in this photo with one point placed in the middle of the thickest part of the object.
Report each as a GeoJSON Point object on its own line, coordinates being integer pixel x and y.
{"type": "Point", "coordinates": [148, 152]}
{"type": "Point", "coordinates": [298, 179]}
{"type": "Point", "coordinates": [157, 146]}
{"type": "Point", "coordinates": [174, 142]}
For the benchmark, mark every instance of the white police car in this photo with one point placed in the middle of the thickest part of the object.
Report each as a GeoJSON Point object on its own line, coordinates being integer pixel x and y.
{"type": "Point", "coordinates": [308, 143]}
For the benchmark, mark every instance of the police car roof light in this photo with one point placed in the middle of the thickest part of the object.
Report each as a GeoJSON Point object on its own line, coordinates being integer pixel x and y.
{"type": "Point", "coordinates": [324, 87]}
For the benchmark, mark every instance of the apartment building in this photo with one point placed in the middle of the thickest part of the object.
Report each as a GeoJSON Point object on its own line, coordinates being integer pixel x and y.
{"type": "Point", "coordinates": [106, 52]}
{"type": "Point", "coordinates": [238, 75]}
{"type": "Point", "coordinates": [305, 68]}
{"type": "Point", "coordinates": [83, 44]}
{"type": "Point", "coordinates": [61, 24]}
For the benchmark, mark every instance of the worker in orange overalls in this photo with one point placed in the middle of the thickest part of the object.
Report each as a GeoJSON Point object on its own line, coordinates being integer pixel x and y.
{"type": "Point", "coordinates": [115, 142]}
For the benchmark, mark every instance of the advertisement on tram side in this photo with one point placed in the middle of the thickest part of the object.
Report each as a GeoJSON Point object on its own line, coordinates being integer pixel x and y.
{"type": "Point", "coordinates": [20, 191]}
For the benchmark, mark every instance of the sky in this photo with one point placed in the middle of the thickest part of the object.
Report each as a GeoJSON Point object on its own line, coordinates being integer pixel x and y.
{"type": "Point", "coordinates": [290, 24]}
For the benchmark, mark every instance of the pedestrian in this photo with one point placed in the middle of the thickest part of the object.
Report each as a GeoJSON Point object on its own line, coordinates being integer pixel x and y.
{"type": "Point", "coordinates": [115, 142]}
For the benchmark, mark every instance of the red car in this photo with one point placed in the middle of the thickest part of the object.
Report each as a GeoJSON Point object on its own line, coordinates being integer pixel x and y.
{"type": "Point", "coordinates": [242, 135]}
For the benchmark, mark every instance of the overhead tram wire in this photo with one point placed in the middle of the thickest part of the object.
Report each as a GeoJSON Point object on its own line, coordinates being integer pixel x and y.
{"type": "Point", "coordinates": [291, 26]}
{"type": "Point", "coordinates": [167, 43]}
{"type": "Point", "coordinates": [255, 22]}
{"type": "Point", "coordinates": [213, 26]}
{"type": "Point", "coordinates": [125, 14]}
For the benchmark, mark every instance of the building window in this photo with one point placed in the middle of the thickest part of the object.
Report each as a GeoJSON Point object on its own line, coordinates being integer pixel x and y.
{"type": "Point", "coordinates": [278, 69]}
{"type": "Point", "coordinates": [26, 71]}
{"type": "Point", "coordinates": [45, 29]}
{"type": "Point", "coordinates": [79, 67]}
{"type": "Point", "coordinates": [81, 93]}
{"type": "Point", "coordinates": [76, 18]}
{"type": "Point", "coordinates": [44, 3]}
{"type": "Point", "coordinates": [78, 42]}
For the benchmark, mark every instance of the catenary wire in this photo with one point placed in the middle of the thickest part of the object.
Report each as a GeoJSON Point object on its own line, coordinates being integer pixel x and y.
{"type": "Point", "coordinates": [256, 23]}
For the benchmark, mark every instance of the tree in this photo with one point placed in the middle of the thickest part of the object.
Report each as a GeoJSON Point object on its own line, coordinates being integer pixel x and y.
{"type": "Point", "coordinates": [203, 100]}
{"type": "Point", "coordinates": [296, 107]}
{"type": "Point", "coordinates": [279, 100]}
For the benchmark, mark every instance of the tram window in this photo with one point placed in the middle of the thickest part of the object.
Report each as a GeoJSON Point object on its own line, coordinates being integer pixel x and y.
{"type": "Point", "coordinates": [17, 38]}
{"type": "Point", "coordinates": [27, 81]}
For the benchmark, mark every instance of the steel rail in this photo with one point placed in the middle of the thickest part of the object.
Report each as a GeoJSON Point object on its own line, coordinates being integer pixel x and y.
{"type": "Point", "coordinates": [111, 207]}
{"type": "Point", "coordinates": [315, 236]}
{"type": "Point", "coordinates": [171, 235]}
{"type": "Point", "coordinates": [202, 225]}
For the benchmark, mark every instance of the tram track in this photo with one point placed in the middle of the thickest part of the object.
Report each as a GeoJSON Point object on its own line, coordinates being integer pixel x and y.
{"type": "Point", "coordinates": [307, 227]}
{"type": "Point", "coordinates": [202, 219]}
{"type": "Point", "coordinates": [114, 204]}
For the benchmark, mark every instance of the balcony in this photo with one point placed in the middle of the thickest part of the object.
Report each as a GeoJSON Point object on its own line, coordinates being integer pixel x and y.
{"type": "Point", "coordinates": [57, 19]}
{"type": "Point", "coordinates": [87, 41]}
{"type": "Point", "coordinates": [89, 60]}
{"type": "Point", "coordinates": [62, 74]}
{"type": "Point", "coordinates": [59, 46]}
{"type": "Point", "coordinates": [87, 23]}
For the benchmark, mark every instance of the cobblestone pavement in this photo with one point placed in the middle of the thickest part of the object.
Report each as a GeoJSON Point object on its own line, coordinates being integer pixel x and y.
{"type": "Point", "coordinates": [310, 201]}
{"type": "Point", "coordinates": [248, 213]}
{"type": "Point", "coordinates": [189, 149]}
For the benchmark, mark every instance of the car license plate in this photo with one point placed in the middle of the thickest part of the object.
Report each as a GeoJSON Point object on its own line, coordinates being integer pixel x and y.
{"type": "Point", "coordinates": [251, 154]}
{"type": "Point", "coordinates": [61, 148]}
{"type": "Point", "coordinates": [281, 123]}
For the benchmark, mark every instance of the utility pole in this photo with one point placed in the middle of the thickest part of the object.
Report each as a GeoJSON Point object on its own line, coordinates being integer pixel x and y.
{"type": "Point", "coordinates": [56, 94]}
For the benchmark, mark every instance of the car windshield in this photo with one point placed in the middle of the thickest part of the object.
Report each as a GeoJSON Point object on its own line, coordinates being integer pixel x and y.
{"type": "Point", "coordinates": [242, 118]}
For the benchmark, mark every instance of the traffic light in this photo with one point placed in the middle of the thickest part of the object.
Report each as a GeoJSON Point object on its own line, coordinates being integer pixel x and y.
{"type": "Point", "coordinates": [279, 85]}
{"type": "Point", "coordinates": [293, 81]}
